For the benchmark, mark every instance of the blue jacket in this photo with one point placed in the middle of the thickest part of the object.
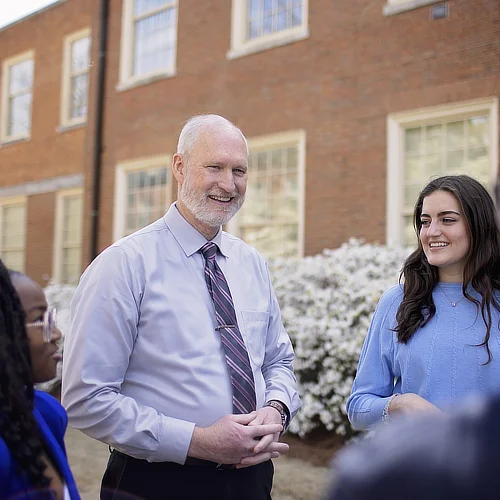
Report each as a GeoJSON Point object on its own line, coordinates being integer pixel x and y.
{"type": "Point", "coordinates": [52, 421]}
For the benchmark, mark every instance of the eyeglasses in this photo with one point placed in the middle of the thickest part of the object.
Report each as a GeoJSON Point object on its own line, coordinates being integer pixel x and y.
{"type": "Point", "coordinates": [48, 324]}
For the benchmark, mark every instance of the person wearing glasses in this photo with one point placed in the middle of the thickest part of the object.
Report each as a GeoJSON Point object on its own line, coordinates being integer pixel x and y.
{"type": "Point", "coordinates": [33, 461]}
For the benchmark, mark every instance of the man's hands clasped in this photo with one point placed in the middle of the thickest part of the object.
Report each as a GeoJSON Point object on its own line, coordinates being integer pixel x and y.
{"type": "Point", "coordinates": [243, 440]}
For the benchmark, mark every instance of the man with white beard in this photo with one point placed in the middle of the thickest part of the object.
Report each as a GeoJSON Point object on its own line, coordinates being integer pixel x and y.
{"type": "Point", "coordinates": [177, 357]}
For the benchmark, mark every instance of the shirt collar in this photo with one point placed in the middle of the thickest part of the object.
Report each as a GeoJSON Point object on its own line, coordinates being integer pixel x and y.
{"type": "Point", "coordinates": [187, 236]}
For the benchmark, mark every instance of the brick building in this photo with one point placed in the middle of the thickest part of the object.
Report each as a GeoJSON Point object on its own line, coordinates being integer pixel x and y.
{"type": "Point", "coordinates": [349, 107]}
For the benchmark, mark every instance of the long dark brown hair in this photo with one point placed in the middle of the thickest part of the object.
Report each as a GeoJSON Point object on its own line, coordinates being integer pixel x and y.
{"type": "Point", "coordinates": [482, 268]}
{"type": "Point", "coordinates": [18, 426]}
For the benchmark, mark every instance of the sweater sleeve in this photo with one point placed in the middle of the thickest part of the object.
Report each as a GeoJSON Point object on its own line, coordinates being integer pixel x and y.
{"type": "Point", "coordinates": [374, 381]}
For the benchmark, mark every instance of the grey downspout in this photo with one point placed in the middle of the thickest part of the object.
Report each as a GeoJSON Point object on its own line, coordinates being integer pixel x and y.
{"type": "Point", "coordinates": [98, 131]}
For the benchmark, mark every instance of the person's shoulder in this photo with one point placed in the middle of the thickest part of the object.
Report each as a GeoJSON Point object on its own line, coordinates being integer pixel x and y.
{"type": "Point", "coordinates": [391, 297]}
{"type": "Point", "coordinates": [143, 236]}
{"type": "Point", "coordinates": [51, 410]}
{"type": "Point", "coordinates": [237, 246]}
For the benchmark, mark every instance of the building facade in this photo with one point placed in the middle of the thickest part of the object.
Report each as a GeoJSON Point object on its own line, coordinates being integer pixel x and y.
{"type": "Point", "coordinates": [349, 108]}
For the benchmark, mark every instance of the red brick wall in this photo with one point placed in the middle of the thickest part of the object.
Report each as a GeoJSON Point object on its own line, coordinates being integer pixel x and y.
{"type": "Point", "coordinates": [48, 153]}
{"type": "Point", "coordinates": [338, 85]}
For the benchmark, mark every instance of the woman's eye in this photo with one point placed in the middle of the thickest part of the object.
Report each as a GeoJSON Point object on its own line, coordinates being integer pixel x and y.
{"type": "Point", "coordinates": [447, 220]}
{"type": "Point", "coordinates": [425, 223]}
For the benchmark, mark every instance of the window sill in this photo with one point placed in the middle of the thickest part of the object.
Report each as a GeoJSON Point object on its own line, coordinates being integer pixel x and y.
{"type": "Point", "coordinates": [70, 126]}
{"type": "Point", "coordinates": [390, 10]}
{"type": "Point", "coordinates": [266, 43]}
{"type": "Point", "coordinates": [145, 80]}
{"type": "Point", "coordinates": [7, 141]}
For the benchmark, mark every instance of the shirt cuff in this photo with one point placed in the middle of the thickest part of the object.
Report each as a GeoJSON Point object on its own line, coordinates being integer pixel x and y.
{"type": "Point", "coordinates": [283, 398]}
{"type": "Point", "coordinates": [175, 438]}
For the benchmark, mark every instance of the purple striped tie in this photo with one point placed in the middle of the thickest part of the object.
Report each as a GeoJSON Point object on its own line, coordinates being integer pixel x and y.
{"type": "Point", "coordinates": [234, 346]}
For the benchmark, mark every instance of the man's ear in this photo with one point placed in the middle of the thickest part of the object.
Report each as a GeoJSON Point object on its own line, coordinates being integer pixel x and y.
{"type": "Point", "coordinates": [178, 168]}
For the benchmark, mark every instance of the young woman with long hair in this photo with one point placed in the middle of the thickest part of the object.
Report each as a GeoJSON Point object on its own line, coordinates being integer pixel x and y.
{"type": "Point", "coordinates": [434, 338]}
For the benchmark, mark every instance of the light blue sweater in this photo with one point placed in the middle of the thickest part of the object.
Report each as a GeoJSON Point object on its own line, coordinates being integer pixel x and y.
{"type": "Point", "coordinates": [441, 362]}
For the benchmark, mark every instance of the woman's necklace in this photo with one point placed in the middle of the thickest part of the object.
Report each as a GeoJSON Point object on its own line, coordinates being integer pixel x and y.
{"type": "Point", "coordinates": [453, 303]}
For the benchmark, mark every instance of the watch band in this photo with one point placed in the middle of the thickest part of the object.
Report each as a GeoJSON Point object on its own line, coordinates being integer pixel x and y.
{"type": "Point", "coordinates": [278, 405]}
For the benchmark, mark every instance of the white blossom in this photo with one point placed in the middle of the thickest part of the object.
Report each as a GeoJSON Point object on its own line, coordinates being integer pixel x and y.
{"type": "Point", "coordinates": [327, 302]}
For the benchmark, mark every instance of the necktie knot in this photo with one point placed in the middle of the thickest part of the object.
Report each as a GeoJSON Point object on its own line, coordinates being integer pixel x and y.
{"type": "Point", "coordinates": [209, 250]}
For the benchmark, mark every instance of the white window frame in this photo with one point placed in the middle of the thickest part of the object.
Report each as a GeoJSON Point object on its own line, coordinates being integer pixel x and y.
{"type": "Point", "coordinates": [57, 256]}
{"type": "Point", "coordinates": [398, 6]}
{"type": "Point", "coordinates": [240, 46]}
{"type": "Point", "coordinates": [282, 140]}
{"type": "Point", "coordinates": [5, 202]}
{"type": "Point", "coordinates": [127, 80]}
{"type": "Point", "coordinates": [121, 171]}
{"type": "Point", "coordinates": [65, 120]}
{"type": "Point", "coordinates": [4, 107]}
{"type": "Point", "coordinates": [397, 123]}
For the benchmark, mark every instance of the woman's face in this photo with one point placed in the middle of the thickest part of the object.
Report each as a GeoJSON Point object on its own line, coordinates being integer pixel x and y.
{"type": "Point", "coordinates": [44, 356]}
{"type": "Point", "coordinates": [444, 235]}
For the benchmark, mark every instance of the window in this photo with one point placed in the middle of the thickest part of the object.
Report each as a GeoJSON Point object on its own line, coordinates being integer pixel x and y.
{"type": "Point", "coordinates": [75, 78]}
{"type": "Point", "coordinates": [263, 24]}
{"type": "Point", "coordinates": [456, 139]}
{"type": "Point", "coordinates": [68, 245]}
{"type": "Point", "coordinates": [271, 217]}
{"type": "Point", "coordinates": [13, 232]}
{"type": "Point", "coordinates": [398, 6]}
{"type": "Point", "coordinates": [143, 193]}
{"type": "Point", "coordinates": [149, 41]}
{"type": "Point", "coordinates": [17, 96]}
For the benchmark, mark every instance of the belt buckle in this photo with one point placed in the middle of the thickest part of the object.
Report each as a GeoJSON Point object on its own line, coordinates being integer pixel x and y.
{"type": "Point", "coordinates": [220, 466]}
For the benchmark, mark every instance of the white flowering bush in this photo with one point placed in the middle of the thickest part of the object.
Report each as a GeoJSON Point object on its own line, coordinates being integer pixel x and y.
{"type": "Point", "coordinates": [327, 302]}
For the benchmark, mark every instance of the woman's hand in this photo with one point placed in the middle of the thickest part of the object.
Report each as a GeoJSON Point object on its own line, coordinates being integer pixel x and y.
{"type": "Point", "coordinates": [410, 404]}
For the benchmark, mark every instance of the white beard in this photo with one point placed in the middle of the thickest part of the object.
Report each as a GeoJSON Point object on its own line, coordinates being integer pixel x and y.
{"type": "Point", "coordinates": [198, 205]}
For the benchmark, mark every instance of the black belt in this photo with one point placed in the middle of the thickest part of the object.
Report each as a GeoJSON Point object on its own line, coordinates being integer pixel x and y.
{"type": "Point", "coordinates": [198, 462]}
{"type": "Point", "coordinates": [190, 461]}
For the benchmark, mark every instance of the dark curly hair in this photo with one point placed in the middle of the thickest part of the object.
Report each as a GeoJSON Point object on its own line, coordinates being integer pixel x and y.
{"type": "Point", "coordinates": [482, 268]}
{"type": "Point", "coordinates": [18, 427]}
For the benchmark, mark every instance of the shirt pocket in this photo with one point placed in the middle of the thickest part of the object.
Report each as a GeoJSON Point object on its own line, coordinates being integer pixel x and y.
{"type": "Point", "coordinates": [255, 334]}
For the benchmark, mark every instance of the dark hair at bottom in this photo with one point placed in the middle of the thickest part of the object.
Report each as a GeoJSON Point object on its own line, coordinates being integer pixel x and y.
{"type": "Point", "coordinates": [18, 427]}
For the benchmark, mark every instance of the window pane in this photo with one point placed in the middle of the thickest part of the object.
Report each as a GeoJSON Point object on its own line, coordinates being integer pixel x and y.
{"type": "Point", "coordinates": [413, 141]}
{"type": "Point", "coordinates": [453, 147]}
{"type": "Point", "coordinates": [269, 218]}
{"type": "Point", "coordinates": [19, 115]}
{"type": "Point", "coordinates": [71, 265]}
{"type": "Point", "coordinates": [433, 138]}
{"type": "Point", "coordinates": [272, 16]}
{"type": "Point", "coordinates": [154, 42]}
{"type": "Point", "coordinates": [147, 197]}
{"type": "Point", "coordinates": [144, 6]}
{"type": "Point", "coordinates": [21, 77]}
{"type": "Point", "coordinates": [79, 96]}
{"type": "Point", "coordinates": [455, 161]}
{"type": "Point", "coordinates": [478, 132]}
{"type": "Point", "coordinates": [14, 260]}
{"type": "Point", "coordinates": [80, 55]}
{"type": "Point", "coordinates": [455, 135]}
{"type": "Point", "coordinates": [72, 222]}
{"type": "Point", "coordinates": [13, 236]}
